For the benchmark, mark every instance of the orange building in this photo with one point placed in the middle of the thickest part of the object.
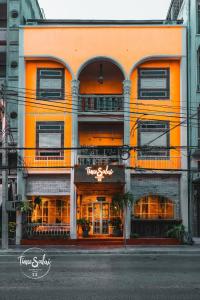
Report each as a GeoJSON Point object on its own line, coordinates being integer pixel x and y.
{"type": "Point", "coordinates": [103, 110]}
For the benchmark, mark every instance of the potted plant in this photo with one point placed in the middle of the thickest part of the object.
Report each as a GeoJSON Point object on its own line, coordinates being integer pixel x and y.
{"type": "Point", "coordinates": [177, 232]}
{"type": "Point", "coordinates": [25, 206]}
{"type": "Point", "coordinates": [85, 226]}
{"type": "Point", "coordinates": [122, 202]}
{"type": "Point", "coordinates": [117, 226]}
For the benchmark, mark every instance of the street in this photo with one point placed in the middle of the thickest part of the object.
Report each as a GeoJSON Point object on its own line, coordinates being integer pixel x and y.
{"type": "Point", "coordinates": [105, 276]}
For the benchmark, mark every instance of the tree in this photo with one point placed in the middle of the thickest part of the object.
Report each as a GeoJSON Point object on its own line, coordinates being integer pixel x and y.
{"type": "Point", "coordinates": [122, 202]}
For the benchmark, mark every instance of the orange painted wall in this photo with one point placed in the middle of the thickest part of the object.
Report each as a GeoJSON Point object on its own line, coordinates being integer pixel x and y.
{"type": "Point", "coordinates": [113, 79]}
{"type": "Point", "coordinates": [126, 44]}
{"type": "Point", "coordinates": [101, 134]}
{"type": "Point", "coordinates": [168, 110]}
{"type": "Point", "coordinates": [46, 111]}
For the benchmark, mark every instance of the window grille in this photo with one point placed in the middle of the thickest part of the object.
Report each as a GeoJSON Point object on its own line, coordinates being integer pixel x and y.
{"type": "Point", "coordinates": [50, 135]}
{"type": "Point", "coordinates": [153, 84]}
{"type": "Point", "coordinates": [50, 84]}
{"type": "Point", "coordinates": [153, 139]}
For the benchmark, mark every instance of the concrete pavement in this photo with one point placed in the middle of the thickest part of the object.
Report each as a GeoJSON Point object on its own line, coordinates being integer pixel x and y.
{"type": "Point", "coordinates": [137, 250]}
{"type": "Point", "coordinates": [105, 277]}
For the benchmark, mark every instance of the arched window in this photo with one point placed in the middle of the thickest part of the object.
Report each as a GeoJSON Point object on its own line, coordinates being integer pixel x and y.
{"type": "Point", "coordinates": [154, 207]}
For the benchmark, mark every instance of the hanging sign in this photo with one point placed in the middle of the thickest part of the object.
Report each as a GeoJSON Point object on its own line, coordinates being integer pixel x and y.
{"type": "Point", "coordinates": [100, 173]}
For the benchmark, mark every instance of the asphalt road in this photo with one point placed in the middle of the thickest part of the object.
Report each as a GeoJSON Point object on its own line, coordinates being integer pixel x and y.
{"type": "Point", "coordinates": [103, 276]}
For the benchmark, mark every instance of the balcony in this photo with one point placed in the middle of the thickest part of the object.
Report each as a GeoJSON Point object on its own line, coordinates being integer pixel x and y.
{"type": "Point", "coordinates": [44, 161]}
{"type": "Point", "coordinates": [107, 103]}
{"type": "Point", "coordinates": [156, 163]}
{"type": "Point", "coordinates": [91, 157]}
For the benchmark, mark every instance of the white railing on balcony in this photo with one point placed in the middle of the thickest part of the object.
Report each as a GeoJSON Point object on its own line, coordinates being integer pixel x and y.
{"type": "Point", "coordinates": [44, 161]}
{"type": "Point", "coordinates": [89, 103]}
{"type": "Point", "coordinates": [159, 163]}
{"type": "Point", "coordinates": [99, 156]}
{"type": "Point", "coordinates": [96, 160]}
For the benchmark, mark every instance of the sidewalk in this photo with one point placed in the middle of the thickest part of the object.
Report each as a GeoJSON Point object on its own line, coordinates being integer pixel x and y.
{"type": "Point", "coordinates": [134, 250]}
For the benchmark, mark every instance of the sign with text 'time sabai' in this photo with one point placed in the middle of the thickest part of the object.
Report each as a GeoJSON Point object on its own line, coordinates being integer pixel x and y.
{"type": "Point", "coordinates": [99, 174]}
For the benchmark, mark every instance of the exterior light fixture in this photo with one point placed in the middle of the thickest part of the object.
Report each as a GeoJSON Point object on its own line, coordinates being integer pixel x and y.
{"type": "Point", "coordinates": [100, 77]}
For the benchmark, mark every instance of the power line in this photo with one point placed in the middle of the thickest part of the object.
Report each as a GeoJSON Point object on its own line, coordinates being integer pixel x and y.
{"type": "Point", "coordinates": [143, 104]}
{"type": "Point", "coordinates": [38, 105]}
{"type": "Point", "coordinates": [134, 103]}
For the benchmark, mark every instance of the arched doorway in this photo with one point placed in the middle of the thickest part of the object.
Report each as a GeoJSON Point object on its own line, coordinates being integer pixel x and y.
{"type": "Point", "coordinates": [100, 124]}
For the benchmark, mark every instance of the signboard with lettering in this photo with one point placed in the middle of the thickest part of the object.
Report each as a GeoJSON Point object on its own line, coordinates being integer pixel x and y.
{"type": "Point", "coordinates": [99, 174]}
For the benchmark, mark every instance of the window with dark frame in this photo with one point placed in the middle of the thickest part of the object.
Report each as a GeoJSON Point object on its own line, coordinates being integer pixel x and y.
{"type": "Point", "coordinates": [3, 64]}
{"type": "Point", "coordinates": [50, 135]}
{"type": "Point", "coordinates": [198, 110]}
{"type": "Point", "coordinates": [153, 139]}
{"type": "Point", "coordinates": [153, 83]}
{"type": "Point", "coordinates": [50, 84]}
{"type": "Point", "coordinates": [198, 17]}
{"type": "Point", "coordinates": [3, 15]}
{"type": "Point", "coordinates": [198, 70]}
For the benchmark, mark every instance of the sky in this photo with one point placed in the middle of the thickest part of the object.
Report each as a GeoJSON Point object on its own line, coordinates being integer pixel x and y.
{"type": "Point", "coordinates": [105, 9]}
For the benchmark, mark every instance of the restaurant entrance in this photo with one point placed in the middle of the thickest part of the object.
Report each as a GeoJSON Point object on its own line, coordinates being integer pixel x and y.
{"type": "Point", "coordinates": [100, 213]}
{"type": "Point", "coordinates": [101, 218]}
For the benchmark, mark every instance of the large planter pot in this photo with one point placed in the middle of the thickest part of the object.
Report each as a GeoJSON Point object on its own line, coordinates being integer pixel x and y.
{"type": "Point", "coordinates": [117, 232]}
{"type": "Point", "coordinates": [85, 233]}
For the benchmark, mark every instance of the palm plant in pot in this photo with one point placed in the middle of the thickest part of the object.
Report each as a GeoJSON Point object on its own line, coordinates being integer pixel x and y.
{"type": "Point", "coordinates": [85, 226]}
{"type": "Point", "coordinates": [117, 226]}
{"type": "Point", "coordinates": [123, 202]}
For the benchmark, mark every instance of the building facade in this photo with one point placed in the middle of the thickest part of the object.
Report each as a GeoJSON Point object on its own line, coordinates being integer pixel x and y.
{"type": "Point", "coordinates": [189, 11]}
{"type": "Point", "coordinates": [103, 115]}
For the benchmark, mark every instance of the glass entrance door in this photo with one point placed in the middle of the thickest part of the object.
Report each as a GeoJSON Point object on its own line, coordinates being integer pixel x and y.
{"type": "Point", "coordinates": [100, 218]}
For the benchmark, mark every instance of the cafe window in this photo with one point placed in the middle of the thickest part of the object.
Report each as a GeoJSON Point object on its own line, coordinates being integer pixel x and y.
{"type": "Point", "coordinates": [49, 137]}
{"type": "Point", "coordinates": [154, 207]}
{"type": "Point", "coordinates": [153, 84]}
{"type": "Point", "coordinates": [51, 211]}
{"type": "Point", "coordinates": [50, 84]}
{"type": "Point", "coordinates": [153, 139]}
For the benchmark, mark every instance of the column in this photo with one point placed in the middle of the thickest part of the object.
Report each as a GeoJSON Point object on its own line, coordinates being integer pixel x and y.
{"type": "Point", "coordinates": [184, 196]}
{"type": "Point", "coordinates": [21, 181]}
{"type": "Point", "coordinates": [75, 92]}
{"type": "Point", "coordinates": [127, 92]}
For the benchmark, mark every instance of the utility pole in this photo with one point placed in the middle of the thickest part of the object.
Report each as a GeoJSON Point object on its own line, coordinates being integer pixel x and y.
{"type": "Point", "coordinates": [4, 238]}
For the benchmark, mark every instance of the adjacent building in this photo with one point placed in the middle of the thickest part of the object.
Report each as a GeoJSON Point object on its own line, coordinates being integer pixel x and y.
{"type": "Point", "coordinates": [90, 88]}
{"type": "Point", "coordinates": [189, 11]}
{"type": "Point", "coordinates": [12, 15]}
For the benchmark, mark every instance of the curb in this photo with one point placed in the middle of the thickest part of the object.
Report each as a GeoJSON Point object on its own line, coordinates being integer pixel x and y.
{"type": "Point", "coordinates": [114, 251]}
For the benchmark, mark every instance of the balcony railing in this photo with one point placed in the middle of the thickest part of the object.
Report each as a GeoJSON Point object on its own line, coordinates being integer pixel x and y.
{"type": "Point", "coordinates": [160, 163]}
{"type": "Point", "coordinates": [99, 157]}
{"type": "Point", "coordinates": [112, 103]}
{"type": "Point", "coordinates": [44, 161]}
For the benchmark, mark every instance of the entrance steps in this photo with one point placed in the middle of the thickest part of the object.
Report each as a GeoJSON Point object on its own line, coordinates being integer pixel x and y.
{"type": "Point", "coordinates": [98, 242]}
